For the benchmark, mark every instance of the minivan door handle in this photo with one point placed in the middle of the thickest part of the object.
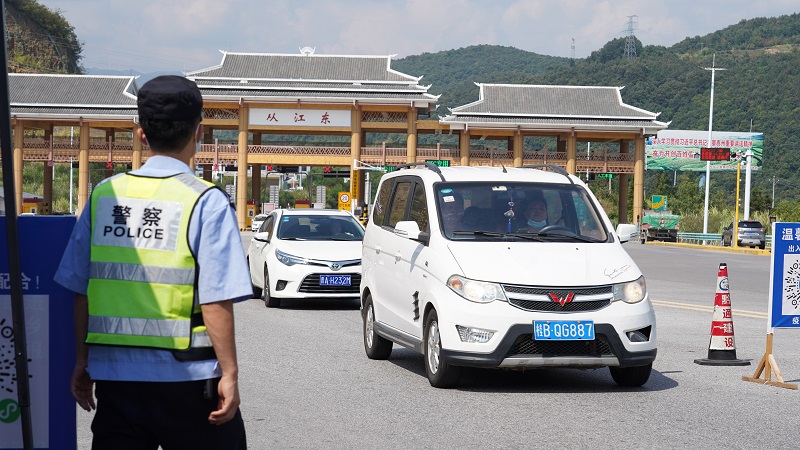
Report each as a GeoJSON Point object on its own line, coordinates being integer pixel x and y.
{"type": "Point", "coordinates": [397, 256]}
{"type": "Point", "coordinates": [377, 249]}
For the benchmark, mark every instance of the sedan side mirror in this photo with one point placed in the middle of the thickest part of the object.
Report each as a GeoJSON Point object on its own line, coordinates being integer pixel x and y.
{"type": "Point", "coordinates": [261, 237]}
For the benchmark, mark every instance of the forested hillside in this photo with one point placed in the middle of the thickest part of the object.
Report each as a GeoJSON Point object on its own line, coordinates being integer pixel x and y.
{"type": "Point", "coordinates": [40, 40]}
{"type": "Point", "coordinates": [761, 83]}
{"type": "Point", "coordinates": [453, 73]}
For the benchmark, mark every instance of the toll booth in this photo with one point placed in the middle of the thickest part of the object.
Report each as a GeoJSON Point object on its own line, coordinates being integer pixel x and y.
{"type": "Point", "coordinates": [251, 212]}
{"type": "Point", "coordinates": [32, 205]}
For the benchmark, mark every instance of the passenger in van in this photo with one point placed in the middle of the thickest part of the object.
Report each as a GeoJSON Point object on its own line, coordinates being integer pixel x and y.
{"type": "Point", "coordinates": [452, 211]}
{"type": "Point", "coordinates": [473, 219]}
{"type": "Point", "coordinates": [535, 215]}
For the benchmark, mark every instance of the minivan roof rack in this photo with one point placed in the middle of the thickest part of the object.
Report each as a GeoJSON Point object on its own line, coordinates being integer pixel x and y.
{"type": "Point", "coordinates": [428, 165]}
{"type": "Point", "coordinates": [553, 167]}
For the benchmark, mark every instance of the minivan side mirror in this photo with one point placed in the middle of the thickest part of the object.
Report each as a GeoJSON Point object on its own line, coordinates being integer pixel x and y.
{"type": "Point", "coordinates": [410, 229]}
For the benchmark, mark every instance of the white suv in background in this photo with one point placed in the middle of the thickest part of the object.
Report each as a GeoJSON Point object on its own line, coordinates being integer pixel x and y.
{"type": "Point", "coordinates": [509, 268]}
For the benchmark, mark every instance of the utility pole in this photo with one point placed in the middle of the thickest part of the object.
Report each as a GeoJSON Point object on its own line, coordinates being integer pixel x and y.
{"type": "Point", "coordinates": [774, 180]}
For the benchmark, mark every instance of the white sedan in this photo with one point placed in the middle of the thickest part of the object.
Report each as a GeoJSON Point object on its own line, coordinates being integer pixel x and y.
{"type": "Point", "coordinates": [257, 221]}
{"type": "Point", "coordinates": [305, 253]}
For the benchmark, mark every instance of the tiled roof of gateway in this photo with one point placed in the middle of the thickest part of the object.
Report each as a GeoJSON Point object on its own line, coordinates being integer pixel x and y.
{"type": "Point", "coordinates": [551, 101]}
{"type": "Point", "coordinates": [303, 67]}
{"type": "Point", "coordinates": [210, 94]}
{"type": "Point", "coordinates": [81, 91]}
{"type": "Point", "coordinates": [308, 76]}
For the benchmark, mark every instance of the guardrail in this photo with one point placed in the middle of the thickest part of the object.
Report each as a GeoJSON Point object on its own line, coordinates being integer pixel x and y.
{"type": "Point", "coordinates": [710, 238]}
{"type": "Point", "coordinates": [698, 238]}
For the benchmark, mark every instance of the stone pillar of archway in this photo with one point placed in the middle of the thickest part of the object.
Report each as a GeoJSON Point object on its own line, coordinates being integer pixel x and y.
{"type": "Point", "coordinates": [572, 153]}
{"type": "Point", "coordinates": [241, 187]}
{"type": "Point", "coordinates": [19, 143]}
{"type": "Point", "coordinates": [638, 178]}
{"type": "Point", "coordinates": [517, 146]}
{"type": "Point", "coordinates": [109, 171]}
{"type": "Point", "coordinates": [83, 167]}
{"type": "Point", "coordinates": [411, 142]}
{"type": "Point", "coordinates": [136, 156]}
{"type": "Point", "coordinates": [255, 186]}
{"type": "Point", "coordinates": [355, 153]}
{"type": "Point", "coordinates": [463, 147]}
{"type": "Point", "coordinates": [622, 203]}
{"type": "Point", "coordinates": [47, 180]}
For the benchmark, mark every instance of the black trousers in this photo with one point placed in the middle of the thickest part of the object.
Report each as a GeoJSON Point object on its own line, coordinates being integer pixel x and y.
{"type": "Point", "coordinates": [145, 415]}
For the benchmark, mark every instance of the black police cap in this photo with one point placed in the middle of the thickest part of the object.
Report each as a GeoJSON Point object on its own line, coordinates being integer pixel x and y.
{"type": "Point", "coordinates": [170, 97]}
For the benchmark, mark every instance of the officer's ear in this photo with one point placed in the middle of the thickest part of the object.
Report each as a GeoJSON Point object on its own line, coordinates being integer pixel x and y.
{"type": "Point", "coordinates": [141, 136]}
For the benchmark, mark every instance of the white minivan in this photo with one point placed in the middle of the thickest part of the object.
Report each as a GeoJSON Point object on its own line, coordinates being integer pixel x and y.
{"type": "Point", "coordinates": [497, 267]}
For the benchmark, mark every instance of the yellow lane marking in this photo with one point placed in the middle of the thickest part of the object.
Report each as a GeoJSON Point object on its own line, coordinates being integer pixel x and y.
{"type": "Point", "coordinates": [690, 306]}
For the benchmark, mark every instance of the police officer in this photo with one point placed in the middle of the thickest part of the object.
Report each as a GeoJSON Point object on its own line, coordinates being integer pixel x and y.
{"type": "Point", "coordinates": [156, 263]}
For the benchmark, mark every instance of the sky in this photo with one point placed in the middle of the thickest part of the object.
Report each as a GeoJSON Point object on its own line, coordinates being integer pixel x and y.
{"type": "Point", "coordinates": [186, 35]}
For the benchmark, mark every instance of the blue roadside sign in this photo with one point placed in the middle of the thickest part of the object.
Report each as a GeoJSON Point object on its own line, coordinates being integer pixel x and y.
{"type": "Point", "coordinates": [50, 336]}
{"type": "Point", "coordinates": [784, 285]}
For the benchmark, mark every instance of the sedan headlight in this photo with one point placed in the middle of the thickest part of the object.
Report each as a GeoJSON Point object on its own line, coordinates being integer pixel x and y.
{"type": "Point", "coordinates": [476, 291]}
{"type": "Point", "coordinates": [631, 292]}
{"type": "Point", "coordinates": [288, 259]}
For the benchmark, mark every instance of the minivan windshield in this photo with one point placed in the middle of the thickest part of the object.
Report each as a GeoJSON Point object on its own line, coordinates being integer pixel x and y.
{"type": "Point", "coordinates": [518, 211]}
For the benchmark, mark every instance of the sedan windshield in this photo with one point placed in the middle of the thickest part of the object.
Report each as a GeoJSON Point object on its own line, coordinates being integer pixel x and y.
{"type": "Point", "coordinates": [518, 211]}
{"type": "Point", "coordinates": [316, 227]}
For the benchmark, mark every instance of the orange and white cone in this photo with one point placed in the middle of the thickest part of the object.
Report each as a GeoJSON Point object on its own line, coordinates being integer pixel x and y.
{"type": "Point", "coordinates": [722, 346]}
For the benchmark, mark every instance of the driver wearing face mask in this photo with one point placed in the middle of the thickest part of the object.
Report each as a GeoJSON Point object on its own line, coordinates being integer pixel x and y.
{"type": "Point", "coordinates": [536, 215]}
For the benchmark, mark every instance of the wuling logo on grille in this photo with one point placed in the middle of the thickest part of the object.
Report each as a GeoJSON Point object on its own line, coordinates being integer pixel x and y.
{"type": "Point", "coordinates": [561, 300]}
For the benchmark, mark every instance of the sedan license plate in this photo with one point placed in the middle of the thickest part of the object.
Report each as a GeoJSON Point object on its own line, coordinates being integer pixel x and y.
{"type": "Point", "coordinates": [334, 280]}
{"type": "Point", "coordinates": [563, 330]}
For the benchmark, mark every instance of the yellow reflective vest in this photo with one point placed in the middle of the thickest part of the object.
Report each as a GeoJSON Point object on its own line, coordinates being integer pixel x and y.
{"type": "Point", "coordinates": [143, 275]}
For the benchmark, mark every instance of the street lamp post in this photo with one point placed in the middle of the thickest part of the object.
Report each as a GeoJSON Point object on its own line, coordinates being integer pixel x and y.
{"type": "Point", "coordinates": [713, 70]}
{"type": "Point", "coordinates": [749, 157]}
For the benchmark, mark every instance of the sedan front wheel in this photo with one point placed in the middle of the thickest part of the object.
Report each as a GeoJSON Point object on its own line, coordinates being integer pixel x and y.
{"type": "Point", "coordinates": [269, 300]}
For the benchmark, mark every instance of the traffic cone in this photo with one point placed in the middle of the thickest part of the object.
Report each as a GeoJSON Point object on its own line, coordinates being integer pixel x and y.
{"type": "Point", "coordinates": [722, 347]}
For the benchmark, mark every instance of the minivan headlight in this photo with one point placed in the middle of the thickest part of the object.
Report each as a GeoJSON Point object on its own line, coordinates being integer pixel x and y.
{"type": "Point", "coordinates": [631, 292]}
{"type": "Point", "coordinates": [288, 259]}
{"type": "Point", "coordinates": [476, 291]}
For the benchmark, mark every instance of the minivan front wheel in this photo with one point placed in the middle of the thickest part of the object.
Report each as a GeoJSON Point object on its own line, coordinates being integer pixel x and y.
{"type": "Point", "coordinates": [440, 373]}
{"type": "Point", "coordinates": [377, 347]}
{"type": "Point", "coordinates": [631, 376]}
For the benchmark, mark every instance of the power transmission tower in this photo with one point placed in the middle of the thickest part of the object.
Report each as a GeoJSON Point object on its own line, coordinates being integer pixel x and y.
{"type": "Point", "coordinates": [630, 38]}
{"type": "Point", "coordinates": [572, 54]}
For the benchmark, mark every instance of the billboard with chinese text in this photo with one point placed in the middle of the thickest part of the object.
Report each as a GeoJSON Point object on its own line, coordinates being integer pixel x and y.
{"type": "Point", "coordinates": [680, 150]}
